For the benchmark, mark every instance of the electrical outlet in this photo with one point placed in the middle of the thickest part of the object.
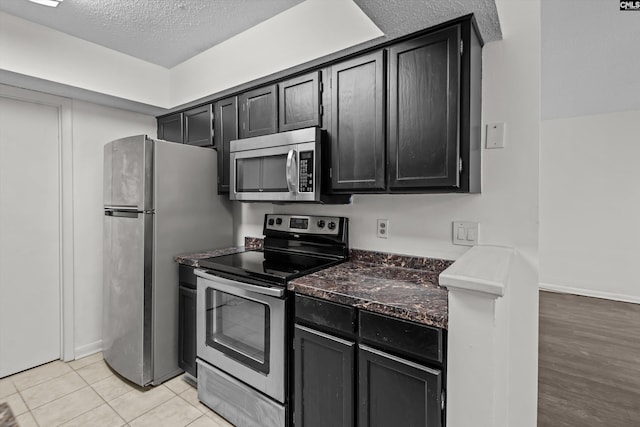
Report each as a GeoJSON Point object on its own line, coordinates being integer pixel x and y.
{"type": "Point", "coordinates": [383, 228]}
{"type": "Point", "coordinates": [465, 233]}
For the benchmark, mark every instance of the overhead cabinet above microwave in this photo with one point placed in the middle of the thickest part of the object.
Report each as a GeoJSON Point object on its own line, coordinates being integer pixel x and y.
{"type": "Point", "coordinates": [400, 117]}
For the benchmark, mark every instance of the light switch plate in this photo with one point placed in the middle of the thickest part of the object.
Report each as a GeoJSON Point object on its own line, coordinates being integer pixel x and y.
{"type": "Point", "coordinates": [495, 135]}
{"type": "Point", "coordinates": [465, 233]}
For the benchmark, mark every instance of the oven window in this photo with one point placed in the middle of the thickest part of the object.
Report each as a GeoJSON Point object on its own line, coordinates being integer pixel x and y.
{"type": "Point", "coordinates": [239, 327]}
{"type": "Point", "coordinates": [267, 174]}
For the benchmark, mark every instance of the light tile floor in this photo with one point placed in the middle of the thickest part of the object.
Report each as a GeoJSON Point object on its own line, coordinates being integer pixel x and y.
{"type": "Point", "coordinates": [86, 392]}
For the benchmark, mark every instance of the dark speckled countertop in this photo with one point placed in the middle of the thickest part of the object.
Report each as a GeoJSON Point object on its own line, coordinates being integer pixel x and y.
{"type": "Point", "coordinates": [397, 285]}
{"type": "Point", "coordinates": [400, 286]}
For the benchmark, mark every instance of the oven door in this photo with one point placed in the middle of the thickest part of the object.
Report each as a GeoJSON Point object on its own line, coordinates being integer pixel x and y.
{"type": "Point", "coordinates": [241, 330]}
{"type": "Point", "coordinates": [280, 173]}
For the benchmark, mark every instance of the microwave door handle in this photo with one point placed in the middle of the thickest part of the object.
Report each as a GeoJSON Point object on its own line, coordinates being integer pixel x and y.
{"type": "Point", "coordinates": [291, 182]}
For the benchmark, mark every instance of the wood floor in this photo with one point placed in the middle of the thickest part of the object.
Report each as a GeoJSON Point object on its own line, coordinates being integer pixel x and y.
{"type": "Point", "coordinates": [589, 362]}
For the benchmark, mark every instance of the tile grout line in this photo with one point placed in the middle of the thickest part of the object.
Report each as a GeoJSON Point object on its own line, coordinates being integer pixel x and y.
{"type": "Point", "coordinates": [87, 383]}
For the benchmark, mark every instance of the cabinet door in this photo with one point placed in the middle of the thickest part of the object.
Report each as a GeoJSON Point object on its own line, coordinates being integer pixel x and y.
{"type": "Point", "coordinates": [323, 382]}
{"type": "Point", "coordinates": [300, 102]}
{"type": "Point", "coordinates": [423, 111]}
{"type": "Point", "coordinates": [396, 392]}
{"type": "Point", "coordinates": [259, 112]}
{"type": "Point", "coordinates": [357, 124]}
{"type": "Point", "coordinates": [198, 126]}
{"type": "Point", "coordinates": [226, 130]}
{"type": "Point", "coordinates": [187, 330]}
{"type": "Point", "coordinates": [170, 128]}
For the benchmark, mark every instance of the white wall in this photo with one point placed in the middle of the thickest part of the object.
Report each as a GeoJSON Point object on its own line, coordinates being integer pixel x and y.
{"type": "Point", "coordinates": [589, 198]}
{"type": "Point", "coordinates": [93, 126]}
{"type": "Point", "coordinates": [507, 208]}
{"type": "Point", "coordinates": [307, 31]}
{"type": "Point", "coordinates": [37, 51]}
{"type": "Point", "coordinates": [312, 29]}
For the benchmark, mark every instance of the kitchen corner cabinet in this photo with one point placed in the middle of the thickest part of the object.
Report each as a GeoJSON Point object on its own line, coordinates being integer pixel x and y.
{"type": "Point", "coordinates": [357, 126]}
{"type": "Point", "coordinates": [376, 372]}
{"type": "Point", "coordinates": [299, 102]}
{"type": "Point", "coordinates": [198, 126]}
{"type": "Point", "coordinates": [258, 111]}
{"type": "Point", "coordinates": [226, 130]}
{"type": "Point", "coordinates": [433, 82]}
{"type": "Point", "coordinates": [187, 293]}
{"type": "Point", "coordinates": [170, 128]}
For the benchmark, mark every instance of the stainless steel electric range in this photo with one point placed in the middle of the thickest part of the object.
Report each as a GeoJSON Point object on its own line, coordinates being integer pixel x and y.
{"type": "Point", "coordinates": [243, 312]}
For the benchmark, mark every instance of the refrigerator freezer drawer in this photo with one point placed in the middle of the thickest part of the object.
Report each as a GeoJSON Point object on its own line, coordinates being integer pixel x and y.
{"type": "Point", "coordinates": [127, 295]}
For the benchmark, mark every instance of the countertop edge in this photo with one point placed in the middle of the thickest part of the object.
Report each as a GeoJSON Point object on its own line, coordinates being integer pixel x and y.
{"type": "Point", "coordinates": [483, 269]}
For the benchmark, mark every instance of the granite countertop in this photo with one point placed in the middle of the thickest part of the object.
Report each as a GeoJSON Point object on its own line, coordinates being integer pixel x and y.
{"type": "Point", "coordinates": [396, 285]}
{"type": "Point", "coordinates": [192, 259]}
{"type": "Point", "coordinates": [400, 286]}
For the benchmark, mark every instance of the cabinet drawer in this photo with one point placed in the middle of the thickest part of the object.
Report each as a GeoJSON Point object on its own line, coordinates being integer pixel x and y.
{"type": "Point", "coordinates": [399, 336]}
{"type": "Point", "coordinates": [325, 315]}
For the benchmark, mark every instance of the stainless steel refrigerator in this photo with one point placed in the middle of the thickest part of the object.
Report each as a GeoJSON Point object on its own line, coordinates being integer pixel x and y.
{"type": "Point", "coordinates": [160, 200]}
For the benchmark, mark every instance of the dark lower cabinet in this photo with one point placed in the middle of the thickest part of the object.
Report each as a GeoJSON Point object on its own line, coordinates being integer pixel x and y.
{"type": "Point", "coordinates": [226, 130]}
{"type": "Point", "coordinates": [187, 320]}
{"type": "Point", "coordinates": [170, 128]}
{"type": "Point", "coordinates": [347, 374]}
{"type": "Point", "coordinates": [396, 392]}
{"type": "Point", "coordinates": [324, 375]}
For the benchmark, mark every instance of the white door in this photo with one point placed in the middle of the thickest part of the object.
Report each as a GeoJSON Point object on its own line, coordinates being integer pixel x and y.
{"type": "Point", "coordinates": [30, 241]}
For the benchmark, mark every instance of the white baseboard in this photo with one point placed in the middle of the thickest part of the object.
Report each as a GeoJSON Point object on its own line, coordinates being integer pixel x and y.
{"type": "Point", "coordinates": [88, 349]}
{"type": "Point", "coordinates": [589, 293]}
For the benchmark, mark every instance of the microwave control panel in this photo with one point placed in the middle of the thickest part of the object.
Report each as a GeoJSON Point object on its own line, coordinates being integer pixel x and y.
{"type": "Point", "coordinates": [305, 172]}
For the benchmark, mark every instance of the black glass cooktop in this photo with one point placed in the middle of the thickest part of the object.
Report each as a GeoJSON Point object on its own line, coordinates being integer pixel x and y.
{"type": "Point", "coordinates": [269, 266]}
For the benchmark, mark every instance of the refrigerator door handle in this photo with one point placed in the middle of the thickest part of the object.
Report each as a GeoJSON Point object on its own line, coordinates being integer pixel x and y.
{"type": "Point", "coordinates": [123, 214]}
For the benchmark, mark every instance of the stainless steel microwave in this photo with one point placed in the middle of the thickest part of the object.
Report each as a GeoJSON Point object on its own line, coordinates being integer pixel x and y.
{"type": "Point", "coordinates": [281, 167]}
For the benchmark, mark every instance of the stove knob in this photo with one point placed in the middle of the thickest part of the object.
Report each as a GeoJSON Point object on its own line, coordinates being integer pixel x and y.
{"type": "Point", "coordinates": [321, 223]}
{"type": "Point", "coordinates": [332, 225]}
{"type": "Point", "coordinates": [271, 221]}
{"type": "Point", "coordinates": [278, 221]}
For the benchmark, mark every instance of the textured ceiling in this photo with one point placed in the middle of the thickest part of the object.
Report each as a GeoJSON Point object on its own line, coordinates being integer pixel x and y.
{"type": "Point", "coordinates": [163, 32]}
{"type": "Point", "coordinates": [166, 32]}
{"type": "Point", "coordinates": [396, 18]}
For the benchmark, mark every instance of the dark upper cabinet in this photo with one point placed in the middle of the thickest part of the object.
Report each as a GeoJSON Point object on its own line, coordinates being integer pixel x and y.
{"type": "Point", "coordinates": [396, 392]}
{"type": "Point", "coordinates": [324, 376]}
{"type": "Point", "coordinates": [357, 124]}
{"type": "Point", "coordinates": [299, 102]}
{"type": "Point", "coordinates": [198, 126]}
{"type": "Point", "coordinates": [170, 128]}
{"type": "Point", "coordinates": [226, 130]}
{"type": "Point", "coordinates": [427, 129]}
{"type": "Point", "coordinates": [258, 111]}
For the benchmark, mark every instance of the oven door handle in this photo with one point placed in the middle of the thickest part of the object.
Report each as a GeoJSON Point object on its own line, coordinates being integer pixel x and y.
{"type": "Point", "coordinates": [228, 286]}
{"type": "Point", "coordinates": [291, 161]}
